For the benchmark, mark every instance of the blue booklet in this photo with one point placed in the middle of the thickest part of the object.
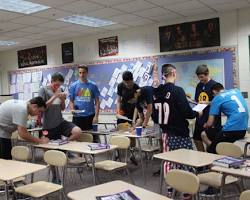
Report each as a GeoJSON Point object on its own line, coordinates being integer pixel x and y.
{"type": "Point", "coordinates": [58, 142]}
{"type": "Point", "coordinates": [229, 162]}
{"type": "Point", "coordinates": [98, 146]}
{"type": "Point", "coordinates": [125, 195]}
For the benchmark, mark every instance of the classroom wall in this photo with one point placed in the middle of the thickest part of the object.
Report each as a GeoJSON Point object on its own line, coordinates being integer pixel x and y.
{"type": "Point", "coordinates": [143, 41]}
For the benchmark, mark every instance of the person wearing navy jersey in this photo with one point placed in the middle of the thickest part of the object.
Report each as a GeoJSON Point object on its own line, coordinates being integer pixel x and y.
{"type": "Point", "coordinates": [203, 94]}
{"type": "Point", "coordinates": [144, 99]}
{"type": "Point", "coordinates": [172, 109]}
{"type": "Point", "coordinates": [232, 104]}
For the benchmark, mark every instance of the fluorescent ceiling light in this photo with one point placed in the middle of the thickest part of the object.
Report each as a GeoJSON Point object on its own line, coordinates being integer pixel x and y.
{"type": "Point", "coordinates": [7, 43]}
{"type": "Point", "coordinates": [21, 6]}
{"type": "Point", "coordinates": [86, 21]}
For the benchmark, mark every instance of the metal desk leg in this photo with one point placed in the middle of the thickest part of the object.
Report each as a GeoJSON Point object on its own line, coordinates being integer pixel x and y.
{"type": "Point", "coordinates": [105, 139]}
{"type": "Point", "coordinates": [245, 149]}
{"type": "Point", "coordinates": [93, 168]}
{"type": "Point", "coordinates": [161, 175]}
{"type": "Point", "coordinates": [6, 191]}
{"type": "Point", "coordinates": [141, 158]}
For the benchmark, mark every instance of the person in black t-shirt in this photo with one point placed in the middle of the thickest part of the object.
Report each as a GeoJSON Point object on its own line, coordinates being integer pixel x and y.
{"type": "Point", "coordinates": [173, 110]}
{"type": "Point", "coordinates": [203, 94]}
{"type": "Point", "coordinates": [125, 92]}
{"type": "Point", "coordinates": [144, 99]}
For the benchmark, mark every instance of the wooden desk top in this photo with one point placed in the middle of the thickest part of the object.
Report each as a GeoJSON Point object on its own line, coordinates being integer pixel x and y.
{"type": "Point", "coordinates": [99, 132]}
{"type": "Point", "coordinates": [188, 157]}
{"type": "Point", "coordinates": [77, 147]}
{"type": "Point", "coordinates": [11, 169]}
{"type": "Point", "coordinates": [132, 135]}
{"type": "Point", "coordinates": [112, 188]}
{"type": "Point", "coordinates": [242, 172]}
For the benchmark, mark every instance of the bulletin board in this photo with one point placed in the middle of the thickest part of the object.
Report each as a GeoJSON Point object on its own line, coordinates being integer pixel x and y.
{"type": "Point", "coordinates": [220, 61]}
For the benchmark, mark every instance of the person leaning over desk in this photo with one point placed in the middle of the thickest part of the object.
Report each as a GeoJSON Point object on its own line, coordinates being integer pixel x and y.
{"type": "Point", "coordinates": [13, 116]}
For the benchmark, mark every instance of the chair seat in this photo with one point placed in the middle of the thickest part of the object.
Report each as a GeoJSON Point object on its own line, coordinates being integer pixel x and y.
{"type": "Point", "coordinates": [38, 189]}
{"type": "Point", "coordinates": [214, 179]}
{"type": "Point", "coordinates": [149, 148]}
{"type": "Point", "coordinates": [76, 161]}
{"type": "Point", "coordinates": [19, 179]}
{"type": "Point", "coordinates": [109, 165]}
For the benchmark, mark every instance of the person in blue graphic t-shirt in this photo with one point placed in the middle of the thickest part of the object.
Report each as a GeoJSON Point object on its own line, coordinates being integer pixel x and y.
{"type": "Point", "coordinates": [84, 100]}
{"type": "Point", "coordinates": [232, 104]}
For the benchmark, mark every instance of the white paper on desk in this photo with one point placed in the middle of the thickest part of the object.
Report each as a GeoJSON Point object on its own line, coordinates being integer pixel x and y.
{"type": "Point", "coordinates": [13, 79]}
{"type": "Point", "coordinates": [111, 91]}
{"type": "Point", "coordinates": [112, 81]}
{"type": "Point", "coordinates": [109, 102]}
{"type": "Point", "coordinates": [199, 107]}
{"type": "Point", "coordinates": [103, 104]}
{"type": "Point", "coordinates": [116, 73]}
{"type": "Point", "coordinates": [104, 92]}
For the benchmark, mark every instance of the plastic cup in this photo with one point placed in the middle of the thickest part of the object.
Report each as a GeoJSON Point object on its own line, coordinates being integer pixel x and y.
{"type": "Point", "coordinates": [95, 127]}
{"type": "Point", "coordinates": [138, 130]}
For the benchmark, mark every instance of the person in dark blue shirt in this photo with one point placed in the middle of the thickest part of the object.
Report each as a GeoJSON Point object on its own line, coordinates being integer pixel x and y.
{"type": "Point", "coordinates": [144, 100]}
{"type": "Point", "coordinates": [172, 110]}
{"type": "Point", "coordinates": [232, 104]}
{"type": "Point", "coordinates": [203, 94]}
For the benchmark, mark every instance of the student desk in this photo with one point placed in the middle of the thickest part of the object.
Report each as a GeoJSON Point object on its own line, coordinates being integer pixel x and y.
{"type": "Point", "coordinates": [247, 143]}
{"type": "Point", "coordinates": [187, 157]}
{"type": "Point", "coordinates": [112, 188]}
{"type": "Point", "coordinates": [78, 147]}
{"type": "Point", "coordinates": [106, 124]}
{"type": "Point", "coordinates": [242, 172]}
{"type": "Point", "coordinates": [11, 169]}
{"type": "Point", "coordinates": [138, 138]}
{"type": "Point", "coordinates": [104, 132]}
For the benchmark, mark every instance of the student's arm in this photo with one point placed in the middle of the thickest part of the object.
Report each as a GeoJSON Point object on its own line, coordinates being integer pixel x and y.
{"type": "Point", "coordinates": [24, 134]}
{"type": "Point", "coordinates": [147, 115]}
{"type": "Point", "coordinates": [209, 122]}
{"type": "Point", "coordinates": [63, 97]}
{"type": "Point", "coordinates": [214, 110]}
{"type": "Point", "coordinates": [72, 98]}
{"type": "Point", "coordinates": [184, 106]}
{"type": "Point", "coordinates": [118, 104]}
{"type": "Point", "coordinates": [49, 102]}
{"type": "Point", "coordinates": [97, 109]}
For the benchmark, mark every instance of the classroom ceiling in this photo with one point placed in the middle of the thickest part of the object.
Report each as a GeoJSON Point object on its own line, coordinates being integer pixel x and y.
{"type": "Point", "coordinates": [41, 27]}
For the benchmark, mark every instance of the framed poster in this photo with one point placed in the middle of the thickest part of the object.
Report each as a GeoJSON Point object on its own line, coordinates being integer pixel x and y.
{"type": "Point", "coordinates": [67, 53]}
{"type": "Point", "coordinates": [32, 57]}
{"type": "Point", "coordinates": [190, 35]}
{"type": "Point", "coordinates": [108, 46]}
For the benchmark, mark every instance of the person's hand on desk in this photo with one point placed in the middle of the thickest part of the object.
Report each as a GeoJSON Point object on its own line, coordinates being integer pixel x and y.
{"type": "Point", "coordinates": [44, 140]}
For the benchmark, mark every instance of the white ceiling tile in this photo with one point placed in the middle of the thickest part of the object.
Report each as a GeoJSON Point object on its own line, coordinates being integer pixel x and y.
{"type": "Point", "coordinates": [22, 40]}
{"type": "Point", "coordinates": [166, 2]}
{"type": "Point", "coordinates": [110, 2]}
{"type": "Point", "coordinates": [4, 15]}
{"type": "Point", "coordinates": [167, 17]}
{"type": "Point", "coordinates": [231, 6]}
{"type": "Point", "coordinates": [15, 34]}
{"type": "Point", "coordinates": [8, 26]}
{"type": "Point", "coordinates": [194, 12]}
{"type": "Point", "coordinates": [134, 6]}
{"type": "Point", "coordinates": [29, 20]}
{"type": "Point", "coordinates": [139, 22]}
{"type": "Point", "coordinates": [34, 29]}
{"type": "Point", "coordinates": [54, 24]}
{"type": "Point", "coordinates": [105, 13]}
{"type": "Point", "coordinates": [125, 18]}
{"type": "Point", "coordinates": [74, 28]}
{"type": "Point", "coordinates": [185, 6]}
{"type": "Point", "coordinates": [116, 27]}
{"type": "Point", "coordinates": [81, 6]}
{"type": "Point", "coordinates": [157, 11]}
{"type": "Point", "coordinates": [52, 3]}
{"type": "Point", "coordinates": [56, 32]}
{"type": "Point", "coordinates": [214, 2]}
{"type": "Point", "coordinates": [93, 30]}
{"type": "Point", "coordinates": [52, 13]}
{"type": "Point", "coordinates": [37, 36]}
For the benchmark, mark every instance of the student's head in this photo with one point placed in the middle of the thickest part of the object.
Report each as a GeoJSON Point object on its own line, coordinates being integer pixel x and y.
{"type": "Point", "coordinates": [83, 72]}
{"type": "Point", "coordinates": [217, 88]}
{"type": "Point", "coordinates": [57, 80]}
{"type": "Point", "coordinates": [168, 71]}
{"type": "Point", "coordinates": [127, 78]}
{"type": "Point", "coordinates": [137, 94]}
{"type": "Point", "coordinates": [202, 73]}
{"type": "Point", "coordinates": [36, 106]}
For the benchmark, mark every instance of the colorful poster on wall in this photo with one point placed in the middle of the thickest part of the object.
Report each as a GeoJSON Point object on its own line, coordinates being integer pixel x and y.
{"type": "Point", "coordinates": [197, 34]}
{"type": "Point", "coordinates": [108, 46]}
{"type": "Point", "coordinates": [32, 57]}
{"type": "Point", "coordinates": [67, 53]}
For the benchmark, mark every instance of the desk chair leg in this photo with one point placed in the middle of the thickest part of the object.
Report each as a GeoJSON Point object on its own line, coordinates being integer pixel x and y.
{"type": "Point", "coordinates": [161, 175]}
{"type": "Point", "coordinates": [223, 179]}
{"type": "Point", "coordinates": [245, 150]}
{"type": "Point", "coordinates": [131, 179]}
{"type": "Point", "coordinates": [93, 168]}
{"type": "Point", "coordinates": [141, 158]}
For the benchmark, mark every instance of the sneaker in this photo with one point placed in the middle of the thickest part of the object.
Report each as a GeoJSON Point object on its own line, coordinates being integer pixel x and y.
{"type": "Point", "coordinates": [133, 160]}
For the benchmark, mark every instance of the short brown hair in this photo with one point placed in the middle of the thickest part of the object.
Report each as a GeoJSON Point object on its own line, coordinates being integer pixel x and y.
{"type": "Point", "coordinates": [83, 67]}
{"type": "Point", "coordinates": [202, 69]}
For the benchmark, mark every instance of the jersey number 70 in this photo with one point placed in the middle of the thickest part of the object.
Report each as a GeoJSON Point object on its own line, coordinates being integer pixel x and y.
{"type": "Point", "coordinates": [163, 112]}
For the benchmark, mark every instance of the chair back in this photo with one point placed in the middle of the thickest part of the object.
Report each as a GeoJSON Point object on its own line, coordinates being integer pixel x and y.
{"type": "Point", "coordinates": [121, 142]}
{"type": "Point", "coordinates": [229, 149]}
{"type": "Point", "coordinates": [245, 195]}
{"type": "Point", "coordinates": [183, 181]}
{"type": "Point", "coordinates": [55, 158]}
{"type": "Point", "coordinates": [123, 126]}
{"type": "Point", "coordinates": [85, 137]}
{"type": "Point", "coordinates": [21, 153]}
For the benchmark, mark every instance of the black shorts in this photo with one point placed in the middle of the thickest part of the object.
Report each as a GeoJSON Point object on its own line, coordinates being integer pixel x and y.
{"type": "Point", "coordinates": [85, 123]}
{"type": "Point", "coordinates": [65, 129]}
{"type": "Point", "coordinates": [5, 148]}
{"type": "Point", "coordinates": [197, 132]}
{"type": "Point", "coordinates": [211, 133]}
